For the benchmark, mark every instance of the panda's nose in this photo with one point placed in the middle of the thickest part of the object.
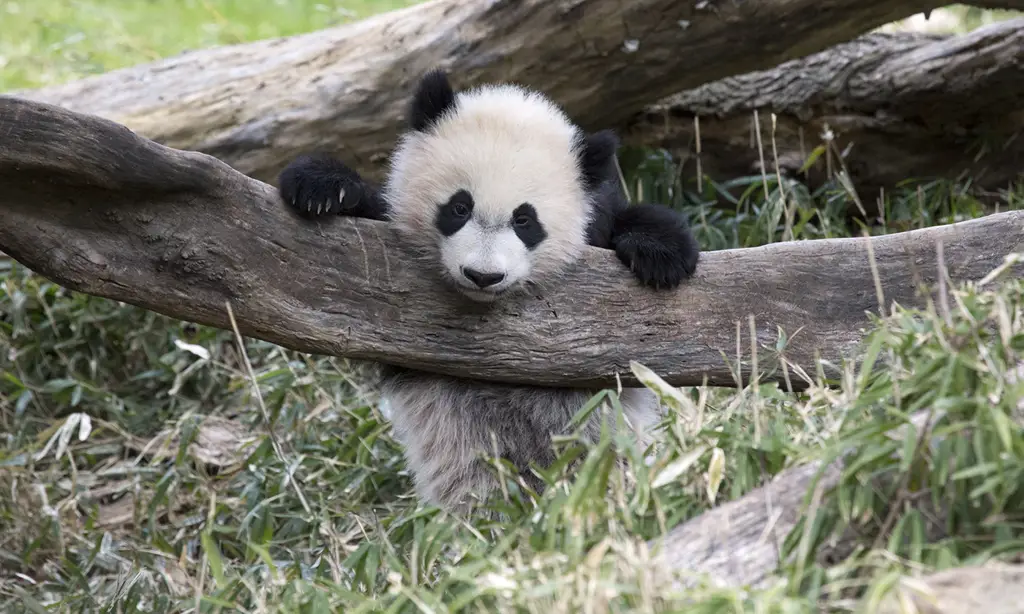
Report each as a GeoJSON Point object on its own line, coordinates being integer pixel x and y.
{"type": "Point", "coordinates": [482, 280]}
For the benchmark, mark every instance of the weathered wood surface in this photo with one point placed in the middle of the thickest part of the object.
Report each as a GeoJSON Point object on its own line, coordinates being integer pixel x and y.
{"type": "Point", "coordinates": [906, 105]}
{"type": "Point", "coordinates": [255, 106]}
{"type": "Point", "coordinates": [739, 543]}
{"type": "Point", "coordinates": [995, 588]}
{"type": "Point", "coordinates": [101, 210]}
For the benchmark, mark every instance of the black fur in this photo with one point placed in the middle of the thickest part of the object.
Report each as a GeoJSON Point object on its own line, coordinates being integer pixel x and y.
{"type": "Point", "coordinates": [597, 157]}
{"type": "Point", "coordinates": [652, 240]}
{"type": "Point", "coordinates": [527, 227]}
{"type": "Point", "coordinates": [608, 199]}
{"type": "Point", "coordinates": [311, 185]}
{"type": "Point", "coordinates": [655, 243]}
{"type": "Point", "coordinates": [434, 97]}
{"type": "Point", "coordinates": [454, 214]}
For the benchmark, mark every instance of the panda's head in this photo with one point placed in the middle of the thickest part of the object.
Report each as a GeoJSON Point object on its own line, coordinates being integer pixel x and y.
{"type": "Point", "coordinates": [495, 183]}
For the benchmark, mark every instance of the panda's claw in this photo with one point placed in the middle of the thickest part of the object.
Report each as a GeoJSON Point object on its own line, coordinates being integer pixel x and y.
{"type": "Point", "coordinates": [316, 185]}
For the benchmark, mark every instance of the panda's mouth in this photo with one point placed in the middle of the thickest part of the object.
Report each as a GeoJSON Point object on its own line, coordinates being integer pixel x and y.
{"type": "Point", "coordinates": [482, 296]}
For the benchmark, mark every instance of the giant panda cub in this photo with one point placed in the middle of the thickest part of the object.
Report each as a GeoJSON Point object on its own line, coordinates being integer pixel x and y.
{"type": "Point", "coordinates": [502, 189]}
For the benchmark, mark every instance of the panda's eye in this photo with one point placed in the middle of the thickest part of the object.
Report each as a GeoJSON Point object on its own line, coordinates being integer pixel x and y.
{"type": "Point", "coordinates": [528, 226]}
{"type": "Point", "coordinates": [454, 214]}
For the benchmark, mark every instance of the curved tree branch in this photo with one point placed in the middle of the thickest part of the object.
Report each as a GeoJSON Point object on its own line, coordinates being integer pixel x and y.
{"type": "Point", "coordinates": [344, 89]}
{"type": "Point", "coordinates": [98, 209]}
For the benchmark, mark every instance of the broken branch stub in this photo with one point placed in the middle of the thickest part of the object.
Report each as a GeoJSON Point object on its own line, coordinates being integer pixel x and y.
{"type": "Point", "coordinates": [98, 209]}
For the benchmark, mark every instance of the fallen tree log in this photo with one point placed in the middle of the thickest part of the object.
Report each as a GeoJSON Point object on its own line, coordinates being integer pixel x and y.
{"type": "Point", "coordinates": [995, 588]}
{"type": "Point", "coordinates": [257, 105]}
{"type": "Point", "coordinates": [906, 105]}
{"type": "Point", "coordinates": [738, 543]}
{"type": "Point", "coordinates": [98, 209]}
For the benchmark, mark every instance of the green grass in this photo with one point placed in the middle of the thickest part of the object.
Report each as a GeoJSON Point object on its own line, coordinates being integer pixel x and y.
{"type": "Point", "coordinates": [43, 42]}
{"type": "Point", "coordinates": [140, 471]}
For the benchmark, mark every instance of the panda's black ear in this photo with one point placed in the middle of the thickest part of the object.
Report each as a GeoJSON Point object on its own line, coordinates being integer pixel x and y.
{"type": "Point", "coordinates": [433, 98]}
{"type": "Point", "coordinates": [597, 157]}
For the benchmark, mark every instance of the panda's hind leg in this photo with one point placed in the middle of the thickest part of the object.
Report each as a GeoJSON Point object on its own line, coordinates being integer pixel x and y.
{"type": "Point", "coordinates": [318, 184]}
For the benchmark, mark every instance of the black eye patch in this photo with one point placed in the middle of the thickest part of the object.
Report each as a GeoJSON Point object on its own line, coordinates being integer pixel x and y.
{"type": "Point", "coordinates": [454, 214]}
{"type": "Point", "coordinates": [527, 227]}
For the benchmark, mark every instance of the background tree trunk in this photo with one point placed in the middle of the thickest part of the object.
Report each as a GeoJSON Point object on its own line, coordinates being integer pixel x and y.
{"type": "Point", "coordinates": [907, 105]}
{"type": "Point", "coordinates": [256, 106]}
{"type": "Point", "coordinates": [98, 209]}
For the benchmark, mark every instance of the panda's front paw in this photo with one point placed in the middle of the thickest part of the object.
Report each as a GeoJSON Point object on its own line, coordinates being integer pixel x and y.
{"type": "Point", "coordinates": [317, 185]}
{"type": "Point", "coordinates": [654, 263]}
{"type": "Point", "coordinates": [656, 245]}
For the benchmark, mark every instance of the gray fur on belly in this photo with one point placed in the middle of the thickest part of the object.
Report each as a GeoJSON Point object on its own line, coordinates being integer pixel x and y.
{"type": "Point", "coordinates": [444, 423]}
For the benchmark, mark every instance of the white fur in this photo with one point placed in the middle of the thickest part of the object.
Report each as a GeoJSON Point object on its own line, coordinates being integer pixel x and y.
{"type": "Point", "coordinates": [494, 249]}
{"type": "Point", "coordinates": [506, 146]}
{"type": "Point", "coordinates": [445, 425]}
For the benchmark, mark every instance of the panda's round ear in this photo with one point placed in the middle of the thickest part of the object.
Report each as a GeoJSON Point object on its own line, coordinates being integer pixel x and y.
{"type": "Point", "coordinates": [434, 96]}
{"type": "Point", "coordinates": [597, 157]}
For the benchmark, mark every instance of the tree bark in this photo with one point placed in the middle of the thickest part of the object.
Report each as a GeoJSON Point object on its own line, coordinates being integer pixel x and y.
{"type": "Point", "coordinates": [98, 209]}
{"type": "Point", "coordinates": [739, 543]}
{"type": "Point", "coordinates": [908, 105]}
{"type": "Point", "coordinates": [256, 106]}
{"type": "Point", "coordinates": [992, 588]}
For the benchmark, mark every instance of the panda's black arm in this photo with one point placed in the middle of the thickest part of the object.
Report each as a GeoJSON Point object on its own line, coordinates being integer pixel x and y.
{"type": "Point", "coordinates": [318, 184]}
{"type": "Point", "coordinates": [654, 241]}
{"type": "Point", "coordinates": [608, 201]}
